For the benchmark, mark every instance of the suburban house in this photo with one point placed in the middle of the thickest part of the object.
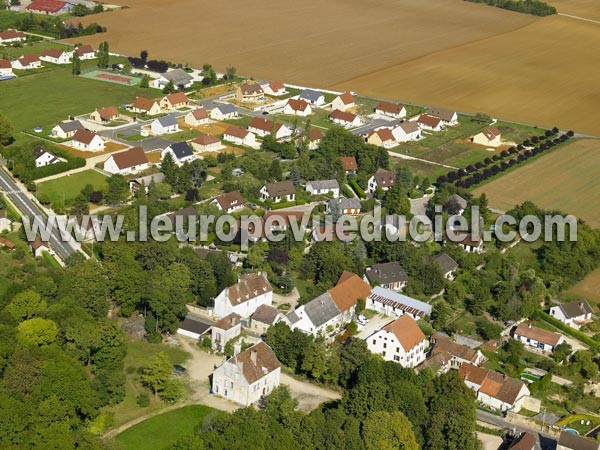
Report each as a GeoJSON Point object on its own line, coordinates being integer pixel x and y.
{"type": "Point", "coordinates": [179, 77]}
{"type": "Point", "coordinates": [391, 110]}
{"type": "Point", "coordinates": [390, 303]}
{"type": "Point", "coordinates": [570, 441]}
{"type": "Point", "coordinates": [490, 137]}
{"type": "Point", "coordinates": [274, 88]}
{"type": "Point", "coordinates": [344, 206]}
{"type": "Point", "coordinates": [43, 157]}
{"type": "Point", "coordinates": [192, 327]}
{"type": "Point", "coordinates": [389, 275]}
{"type": "Point", "coordinates": [447, 117]}
{"type": "Point", "coordinates": [382, 137]}
{"type": "Point", "coordinates": [315, 136]}
{"type": "Point", "coordinates": [239, 136]}
{"type": "Point", "coordinates": [127, 162]}
{"type": "Point", "coordinates": [281, 220]}
{"type": "Point", "coordinates": [263, 318]}
{"type": "Point", "coordinates": [494, 389]}
{"type": "Point", "coordinates": [400, 341]}
{"type": "Point", "coordinates": [5, 222]}
{"type": "Point", "coordinates": [406, 132]}
{"type": "Point", "coordinates": [432, 123]}
{"type": "Point", "coordinates": [381, 179]}
{"type": "Point", "coordinates": [312, 97]}
{"type": "Point", "coordinates": [225, 111]}
{"type": "Point", "coordinates": [197, 117]}
{"type": "Point", "coordinates": [537, 337]}
{"type": "Point", "coordinates": [524, 441]}
{"type": "Point", "coordinates": [38, 247]}
{"type": "Point", "coordinates": [573, 314]}
{"type": "Point", "coordinates": [6, 70]}
{"type": "Point", "coordinates": [49, 7]}
{"type": "Point", "coordinates": [56, 56]}
{"type": "Point", "coordinates": [85, 52]}
{"type": "Point", "coordinates": [345, 119]}
{"type": "Point", "coordinates": [65, 130]}
{"type": "Point", "coordinates": [349, 164]}
{"type": "Point", "coordinates": [246, 377]}
{"type": "Point", "coordinates": [26, 62]}
{"type": "Point", "coordinates": [107, 114]}
{"type": "Point", "coordinates": [5, 242]}
{"type": "Point", "coordinates": [250, 93]}
{"type": "Point", "coordinates": [446, 264]}
{"type": "Point", "coordinates": [447, 354]}
{"type": "Point", "coordinates": [323, 187]}
{"type": "Point", "coordinates": [251, 291]}
{"type": "Point", "coordinates": [88, 141]}
{"type": "Point", "coordinates": [146, 106]}
{"type": "Point", "coordinates": [9, 36]}
{"type": "Point", "coordinates": [279, 191]}
{"type": "Point", "coordinates": [229, 202]}
{"type": "Point", "coordinates": [175, 101]}
{"type": "Point", "coordinates": [206, 143]}
{"type": "Point", "coordinates": [164, 125]}
{"type": "Point", "coordinates": [181, 152]}
{"type": "Point", "coordinates": [224, 330]}
{"type": "Point", "coordinates": [263, 127]}
{"type": "Point", "coordinates": [143, 182]}
{"type": "Point", "coordinates": [469, 242]}
{"type": "Point", "coordinates": [297, 107]}
{"type": "Point", "coordinates": [343, 102]}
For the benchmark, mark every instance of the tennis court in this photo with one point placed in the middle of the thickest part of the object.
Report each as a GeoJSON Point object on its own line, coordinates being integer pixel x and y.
{"type": "Point", "coordinates": [111, 77]}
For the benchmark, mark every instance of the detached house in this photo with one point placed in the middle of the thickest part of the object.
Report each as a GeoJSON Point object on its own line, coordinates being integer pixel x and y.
{"type": "Point", "coordinates": [107, 114]}
{"type": "Point", "coordinates": [85, 52]}
{"type": "Point", "coordinates": [406, 132]}
{"type": "Point", "coordinates": [206, 143]}
{"type": "Point", "coordinates": [175, 101]}
{"type": "Point", "coordinates": [224, 330]}
{"type": "Point", "coordinates": [323, 187]}
{"type": "Point", "coordinates": [49, 7]}
{"type": "Point", "coordinates": [312, 97]}
{"type": "Point", "coordinates": [56, 56]}
{"type": "Point", "coordinates": [5, 224]}
{"type": "Point", "coordinates": [382, 137]}
{"type": "Point", "coordinates": [263, 127]}
{"type": "Point", "coordinates": [181, 152]}
{"type": "Point", "coordinates": [274, 88]}
{"type": "Point", "coordinates": [570, 441]}
{"type": "Point", "coordinates": [389, 275]}
{"type": "Point", "coordinates": [87, 141]}
{"type": "Point", "coordinates": [432, 123]}
{"type": "Point", "coordinates": [26, 62]}
{"type": "Point", "coordinates": [490, 137]}
{"type": "Point", "coordinates": [344, 206]}
{"type": "Point", "coordinates": [263, 318]}
{"type": "Point", "coordinates": [447, 354]}
{"type": "Point", "coordinates": [446, 264]}
{"type": "Point", "coordinates": [229, 202]}
{"type": "Point", "coordinates": [38, 247]}
{"type": "Point", "coordinates": [391, 303]}
{"type": "Point", "coordinates": [315, 136]}
{"type": "Point", "coordinates": [391, 110]}
{"type": "Point", "coordinates": [349, 164]}
{"type": "Point", "coordinates": [297, 108]}
{"type": "Point", "coordinates": [164, 125]}
{"type": "Point", "coordinates": [345, 119]}
{"type": "Point", "coordinates": [400, 341]}
{"type": "Point", "coordinates": [197, 117]}
{"type": "Point", "coordinates": [10, 36]}
{"type": "Point", "coordinates": [343, 102]}
{"type": "Point", "coordinates": [251, 291]}
{"type": "Point", "coordinates": [225, 111]}
{"type": "Point", "coordinates": [43, 157]}
{"type": "Point", "coordinates": [447, 117]}
{"type": "Point", "coordinates": [145, 106]}
{"type": "Point", "coordinates": [279, 191]}
{"type": "Point", "coordinates": [250, 93]}
{"type": "Point", "coordinates": [65, 130]}
{"type": "Point", "coordinates": [248, 376]}
{"type": "Point", "coordinates": [381, 179]}
{"type": "Point", "coordinates": [573, 314]}
{"type": "Point", "coordinates": [469, 242]}
{"type": "Point", "coordinates": [127, 162]}
{"type": "Point", "coordinates": [6, 70]}
{"type": "Point", "coordinates": [239, 136]}
{"type": "Point", "coordinates": [537, 337]}
{"type": "Point", "coordinates": [179, 77]}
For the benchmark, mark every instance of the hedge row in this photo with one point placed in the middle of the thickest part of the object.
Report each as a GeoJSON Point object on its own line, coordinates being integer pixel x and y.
{"type": "Point", "coordinates": [594, 345]}
{"type": "Point", "coordinates": [359, 191]}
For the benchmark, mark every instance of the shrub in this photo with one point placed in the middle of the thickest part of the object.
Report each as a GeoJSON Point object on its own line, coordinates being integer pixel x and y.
{"type": "Point", "coordinates": [143, 400]}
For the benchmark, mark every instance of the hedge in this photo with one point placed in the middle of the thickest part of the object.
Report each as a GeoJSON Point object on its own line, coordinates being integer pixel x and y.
{"type": "Point", "coordinates": [359, 191]}
{"type": "Point", "coordinates": [595, 345]}
{"type": "Point", "coordinates": [282, 205]}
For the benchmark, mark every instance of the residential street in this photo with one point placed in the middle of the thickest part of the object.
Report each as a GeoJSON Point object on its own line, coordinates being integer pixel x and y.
{"type": "Point", "coordinates": [546, 441]}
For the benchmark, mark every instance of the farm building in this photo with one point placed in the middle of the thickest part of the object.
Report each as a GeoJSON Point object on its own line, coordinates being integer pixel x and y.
{"type": "Point", "coordinates": [390, 303]}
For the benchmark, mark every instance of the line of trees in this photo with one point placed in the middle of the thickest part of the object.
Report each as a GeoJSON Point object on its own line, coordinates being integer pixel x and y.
{"type": "Point", "coordinates": [534, 7]}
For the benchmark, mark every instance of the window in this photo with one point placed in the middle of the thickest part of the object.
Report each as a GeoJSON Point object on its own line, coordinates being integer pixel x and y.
{"type": "Point", "coordinates": [384, 345]}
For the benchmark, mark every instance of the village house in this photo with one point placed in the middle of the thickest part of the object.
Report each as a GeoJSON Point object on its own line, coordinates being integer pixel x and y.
{"type": "Point", "coordinates": [251, 291]}
{"type": "Point", "coordinates": [49, 7]}
{"type": "Point", "coordinates": [312, 97]}
{"type": "Point", "coordinates": [229, 202]}
{"type": "Point", "coordinates": [197, 117]}
{"type": "Point", "coordinates": [573, 314]}
{"type": "Point", "coordinates": [224, 330]}
{"type": "Point", "coordinates": [250, 93]}
{"type": "Point", "coordinates": [206, 143]}
{"type": "Point", "coordinates": [382, 137]}
{"type": "Point", "coordinates": [248, 376]}
{"type": "Point", "coordinates": [297, 107]}
{"type": "Point", "coordinates": [87, 141]}
{"type": "Point", "coordinates": [9, 36]}
{"type": "Point", "coordinates": [343, 102]}
{"type": "Point", "coordinates": [263, 318]}
{"type": "Point", "coordinates": [469, 242]}
{"type": "Point", "coordinates": [431, 123]}
{"type": "Point", "coordinates": [6, 243]}
{"type": "Point", "coordinates": [323, 187]}
{"type": "Point", "coordinates": [447, 354]}
{"type": "Point", "coordinates": [192, 327]}
{"type": "Point", "coordinates": [181, 152]}
{"type": "Point", "coordinates": [400, 341]}
{"type": "Point", "coordinates": [406, 132]}
{"type": "Point", "coordinates": [179, 77]}
{"type": "Point", "coordinates": [349, 165]}
{"type": "Point", "coordinates": [279, 191]}
{"type": "Point", "coordinates": [391, 110]}
{"type": "Point", "coordinates": [239, 136]}
{"type": "Point", "coordinates": [85, 52]}
{"type": "Point", "coordinates": [38, 247]}
{"type": "Point", "coordinates": [164, 125]}
{"type": "Point", "coordinates": [225, 111]}
{"type": "Point", "coordinates": [447, 117]}
{"type": "Point", "coordinates": [277, 220]}
{"type": "Point", "coordinates": [538, 338]}
{"type": "Point", "coordinates": [127, 162]}
{"type": "Point", "coordinates": [315, 136]}
{"type": "Point", "coordinates": [66, 130]}
{"type": "Point", "coordinates": [56, 56]}
{"type": "Point", "coordinates": [43, 157]}
{"type": "Point", "coordinates": [263, 127]}
{"type": "Point", "coordinates": [524, 441]}
{"type": "Point", "coordinates": [5, 222]}
{"type": "Point", "coordinates": [490, 137]}
{"type": "Point", "coordinates": [381, 179]}
{"type": "Point", "coordinates": [446, 264]}
{"type": "Point", "coordinates": [175, 101]}
{"type": "Point", "coordinates": [146, 106]}
{"type": "Point", "coordinates": [344, 206]}
{"type": "Point", "coordinates": [570, 441]}
{"type": "Point", "coordinates": [391, 303]}
{"type": "Point", "coordinates": [345, 119]}
{"type": "Point", "coordinates": [493, 389]}
{"type": "Point", "coordinates": [274, 88]}
{"type": "Point", "coordinates": [6, 70]}
{"type": "Point", "coordinates": [388, 275]}
{"type": "Point", "coordinates": [27, 62]}
{"type": "Point", "coordinates": [103, 115]}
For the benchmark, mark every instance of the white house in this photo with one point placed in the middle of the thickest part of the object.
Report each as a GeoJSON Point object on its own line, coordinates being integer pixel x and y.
{"type": "Point", "coordinates": [382, 137]}
{"type": "Point", "coordinates": [391, 303]}
{"type": "Point", "coordinates": [146, 106]}
{"type": "Point", "coordinates": [431, 123]}
{"type": "Point", "coordinates": [400, 341]}
{"type": "Point", "coordinates": [345, 119]}
{"type": "Point", "coordinates": [181, 152]}
{"type": "Point", "coordinates": [127, 162]}
{"type": "Point", "coordinates": [6, 70]}
{"type": "Point", "coordinates": [192, 327]}
{"type": "Point", "coordinates": [490, 137]}
{"type": "Point", "coordinates": [381, 179]}
{"type": "Point", "coordinates": [224, 330]}
{"type": "Point", "coordinates": [274, 88]}
{"type": "Point", "coordinates": [43, 157]}
{"type": "Point", "coordinates": [279, 191]}
{"type": "Point", "coordinates": [323, 187]}
{"type": "Point", "coordinates": [56, 56]}
{"type": "Point", "coordinates": [468, 241]}
{"type": "Point", "coordinates": [406, 132]}
{"type": "Point", "coordinates": [225, 111]}
{"type": "Point", "coordinates": [9, 36]}
{"type": "Point", "coordinates": [179, 77]}
{"type": "Point", "coordinates": [5, 222]}
{"type": "Point", "coordinates": [239, 136]}
{"type": "Point", "coordinates": [248, 376]}
{"type": "Point", "coordinates": [103, 115]}
{"type": "Point", "coordinates": [27, 62]}
{"type": "Point", "coordinates": [38, 247]}
{"type": "Point", "coordinates": [176, 100]}
{"type": "Point", "coordinates": [573, 314]}
{"type": "Point", "coordinates": [229, 202]}
{"type": "Point", "coordinates": [343, 102]}
{"type": "Point", "coordinates": [263, 127]}
{"type": "Point", "coordinates": [197, 117]}
{"type": "Point", "coordinates": [87, 141]}
{"type": "Point", "coordinates": [206, 143]}
{"type": "Point", "coordinates": [65, 130]}
{"type": "Point", "coordinates": [344, 206]}
{"type": "Point", "coordinates": [446, 264]}
{"type": "Point", "coordinates": [85, 52]}
{"type": "Point", "coordinates": [312, 97]}
{"type": "Point", "coordinates": [391, 110]}
{"type": "Point", "coordinates": [251, 291]}
{"type": "Point", "coordinates": [315, 136]}
{"type": "Point", "coordinates": [297, 107]}
{"type": "Point", "coordinates": [388, 275]}
{"type": "Point", "coordinates": [164, 125]}
{"type": "Point", "coordinates": [449, 118]}
{"type": "Point", "coordinates": [537, 337]}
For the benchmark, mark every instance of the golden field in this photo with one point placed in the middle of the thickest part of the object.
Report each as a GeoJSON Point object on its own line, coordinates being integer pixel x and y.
{"type": "Point", "coordinates": [567, 179]}
{"type": "Point", "coordinates": [588, 9]}
{"type": "Point", "coordinates": [589, 287]}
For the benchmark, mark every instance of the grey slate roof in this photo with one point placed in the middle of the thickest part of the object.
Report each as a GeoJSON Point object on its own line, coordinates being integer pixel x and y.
{"type": "Point", "coordinates": [446, 263]}
{"type": "Point", "coordinates": [575, 308]}
{"type": "Point", "coordinates": [321, 309]}
{"type": "Point", "coordinates": [323, 184]}
{"type": "Point", "coordinates": [181, 149]}
{"type": "Point", "coordinates": [292, 317]}
{"type": "Point", "coordinates": [226, 108]}
{"type": "Point", "coordinates": [167, 121]}
{"type": "Point", "coordinates": [384, 273]}
{"type": "Point", "coordinates": [190, 323]}
{"type": "Point", "coordinates": [346, 203]}
{"type": "Point", "coordinates": [178, 76]}
{"type": "Point", "coordinates": [310, 94]}
{"type": "Point", "coordinates": [73, 125]}
{"type": "Point", "coordinates": [576, 442]}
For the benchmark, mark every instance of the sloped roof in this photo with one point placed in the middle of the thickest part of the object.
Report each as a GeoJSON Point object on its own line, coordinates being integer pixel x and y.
{"type": "Point", "coordinates": [349, 162]}
{"type": "Point", "coordinates": [130, 158]}
{"type": "Point", "coordinates": [459, 351]}
{"type": "Point", "coordinates": [445, 262]}
{"type": "Point", "coordinates": [430, 121]}
{"type": "Point", "coordinates": [347, 98]}
{"type": "Point", "coordinates": [323, 184]}
{"type": "Point", "coordinates": [297, 105]}
{"type": "Point", "coordinates": [177, 76]}
{"type": "Point", "coordinates": [385, 178]}
{"type": "Point", "coordinates": [321, 309]}
{"type": "Point", "coordinates": [389, 107]}
{"type": "Point", "coordinates": [259, 123]}
{"type": "Point", "coordinates": [311, 95]}
{"type": "Point", "coordinates": [84, 136]}
{"type": "Point", "coordinates": [199, 114]}
{"type": "Point", "coordinates": [68, 127]}
{"type": "Point", "coordinates": [251, 89]}
{"type": "Point", "coordinates": [491, 133]}
{"type": "Point", "coordinates": [181, 149]}
{"type": "Point", "coordinates": [228, 322]}
{"type": "Point", "coordinates": [538, 334]}
{"type": "Point", "coordinates": [315, 135]}
{"type": "Point", "coordinates": [226, 108]}
{"type": "Point", "coordinates": [236, 131]}
{"type": "Point", "coordinates": [265, 314]}
{"type": "Point", "coordinates": [52, 52]}
{"type": "Point", "coordinates": [576, 442]}
{"type": "Point", "coordinates": [390, 272]}
{"type": "Point", "coordinates": [344, 116]}
{"type": "Point", "coordinates": [177, 97]}
{"type": "Point", "coordinates": [280, 188]}
{"type": "Point", "coordinates": [11, 34]}
{"type": "Point", "coordinates": [145, 104]}
{"type": "Point", "coordinates": [229, 199]}
{"type": "Point", "coordinates": [407, 332]}
{"type": "Point", "coordinates": [25, 60]}
{"type": "Point", "coordinates": [400, 301]}
{"type": "Point", "coordinates": [167, 121]}
{"type": "Point", "coordinates": [385, 134]}
{"type": "Point", "coordinates": [256, 362]}
{"type": "Point", "coordinates": [50, 6]}
{"type": "Point", "coordinates": [249, 286]}
{"type": "Point", "coordinates": [409, 127]}
{"type": "Point", "coordinates": [525, 441]}
{"type": "Point", "coordinates": [444, 114]}
{"type": "Point", "coordinates": [206, 139]}
{"type": "Point", "coordinates": [84, 49]}
{"type": "Point", "coordinates": [575, 308]}
{"type": "Point", "coordinates": [5, 64]}
{"type": "Point", "coordinates": [347, 292]}
{"type": "Point", "coordinates": [108, 112]}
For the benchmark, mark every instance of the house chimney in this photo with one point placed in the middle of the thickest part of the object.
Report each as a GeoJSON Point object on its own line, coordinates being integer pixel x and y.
{"type": "Point", "coordinates": [253, 355]}
{"type": "Point", "coordinates": [237, 348]}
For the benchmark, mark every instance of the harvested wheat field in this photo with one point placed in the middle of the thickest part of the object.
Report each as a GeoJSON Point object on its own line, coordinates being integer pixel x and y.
{"type": "Point", "coordinates": [587, 9]}
{"type": "Point", "coordinates": [567, 179]}
{"type": "Point", "coordinates": [589, 287]}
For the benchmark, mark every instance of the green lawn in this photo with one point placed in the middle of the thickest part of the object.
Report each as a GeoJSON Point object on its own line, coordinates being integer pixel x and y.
{"type": "Point", "coordinates": [61, 190]}
{"type": "Point", "coordinates": [32, 47]}
{"type": "Point", "coordinates": [162, 431]}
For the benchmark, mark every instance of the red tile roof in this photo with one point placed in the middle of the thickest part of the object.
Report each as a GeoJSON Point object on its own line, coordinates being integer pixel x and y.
{"type": "Point", "coordinates": [84, 136]}
{"type": "Point", "coordinates": [130, 158]}
{"type": "Point", "coordinates": [11, 34]}
{"type": "Point", "coordinates": [206, 139]}
{"type": "Point", "coordinates": [234, 131]}
{"type": "Point", "coordinates": [49, 6]}
{"type": "Point", "coordinates": [385, 134]}
{"type": "Point", "coordinates": [108, 112]}
{"type": "Point", "coordinates": [297, 105]}
{"type": "Point", "coordinates": [276, 85]}
{"type": "Point", "coordinates": [347, 98]}
{"type": "Point", "coordinates": [5, 64]}
{"type": "Point", "coordinates": [52, 53]}
{"type": "Point", "coordinates": [259, 123]}
{"type": "Point", "coordinates": [315, 135]}
{"type": "Point", "coordinates": [228, 321]}
{"type": "Point", "coordinates": [538, 334]}
{"type": "Point", "coordinates": [349, 163]}
{"type": "Point", "coordinates": [84, 49]}
{"type": "Point", "coordinates": [342, 115]}
{"type": "Point", "coordinates": [349, 289]}
{"type": "Point", "coordinates": [428, 120]}
{"type": "Point", "coordinates": [388, 107]}
{"type": "Point", "coordinates": [25, 60]}
{"type": "Point", "coordinates": [145, 104]}
{"type": "Point", "coordinates": [177, 98]}
{"type": "Point", "coordinates": [407, 332]}
{"type": "Point", "coordinates": [256, 362]}
{"type": "Point", "coordinates": [200, 114]}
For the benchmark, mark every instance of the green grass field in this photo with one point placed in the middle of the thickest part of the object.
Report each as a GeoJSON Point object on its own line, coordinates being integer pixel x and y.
{"type": "Point", "coordinates": [162, 431]}
{"type": "Point", "coordinates": [32, 47]}
{"type": "Point", "coordinates": [68, 187]}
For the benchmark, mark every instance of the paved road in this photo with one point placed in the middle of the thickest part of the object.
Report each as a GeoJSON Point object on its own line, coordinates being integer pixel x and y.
{"type": "Point", "coordinates": [545, 441]}
{"type": "Point", "coordinates": [21, 199]}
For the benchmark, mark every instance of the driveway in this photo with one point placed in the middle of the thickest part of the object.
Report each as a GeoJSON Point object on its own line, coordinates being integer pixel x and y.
{"type": "Point", "coordinates": [374, 324]}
